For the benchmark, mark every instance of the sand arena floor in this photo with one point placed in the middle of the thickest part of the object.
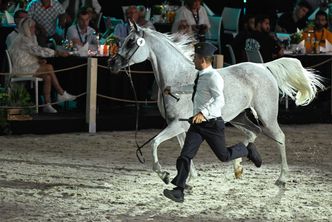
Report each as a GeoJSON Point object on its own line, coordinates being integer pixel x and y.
{"type": "Point", "coordinates": [82, 177]}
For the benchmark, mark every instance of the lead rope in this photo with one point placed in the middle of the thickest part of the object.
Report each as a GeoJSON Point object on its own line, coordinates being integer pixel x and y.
{"type": "Point", "coordinates": [139, 153]}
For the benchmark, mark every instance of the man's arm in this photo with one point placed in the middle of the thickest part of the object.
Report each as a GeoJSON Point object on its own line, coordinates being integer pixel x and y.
{"type": "Point", "coordinates": [72, 35]}
{"type": "Point", "coordinates": [184, 89]}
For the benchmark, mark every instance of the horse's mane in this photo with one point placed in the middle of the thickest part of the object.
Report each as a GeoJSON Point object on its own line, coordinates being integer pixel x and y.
{"type": "Point", "coordinates": [184, 43]}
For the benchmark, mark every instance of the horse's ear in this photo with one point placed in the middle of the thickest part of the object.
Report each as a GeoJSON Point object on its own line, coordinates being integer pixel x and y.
{"type": "Point", "coordinates": [133, 26]}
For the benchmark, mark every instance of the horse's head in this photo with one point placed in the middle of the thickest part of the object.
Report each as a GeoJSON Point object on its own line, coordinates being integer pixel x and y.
{"type": "Point", "coordinates": [133, 50]}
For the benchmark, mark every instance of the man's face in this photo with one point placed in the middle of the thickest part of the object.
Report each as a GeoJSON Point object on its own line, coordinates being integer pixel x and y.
{"type": "Point", "coordinates": [301, 12]}
{"type": "Point", "coordinates": [265, 25]}
{"type": "Point", "coordinates": [320, 21]}
{"type": "Point", "coordinates": [132, 14]}
{"type": "Point", "coordinates": [196, 4]}
{"type": "Point", "coordinates": [83, 21]}
{"type": "Point", "coordinates": [198, 61]}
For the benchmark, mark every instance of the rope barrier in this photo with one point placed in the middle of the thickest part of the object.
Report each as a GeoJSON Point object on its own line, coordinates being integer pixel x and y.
{"type": "Point", "coordinates": [132, 71]}
{"type": "Point", "coordinates": [34, 106]}
{"type": "Point", "coordinates": [125, 100]}
{"type": "Point", "coordinates": [319, 64]}
{"type": "Point", "coordinates": [39, 73]}
{"type": "Point", "coordinates": [109, 97]}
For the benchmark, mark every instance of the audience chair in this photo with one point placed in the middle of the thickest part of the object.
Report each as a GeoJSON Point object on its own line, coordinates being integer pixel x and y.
{"type": "Point", "coordinates": [114, 21]}
{"type": "Point", "coordinates": [100, 16]}
{"type": "Point", "coordinates": [33, 80]}
{"type": "Point", "coordinates": [312, 16]}
{"type": "Point", "coordinates": [254, 55]}
{"type": "Point", "coordinates": [230, 20]}
{"type": "Point", "coordinates": [230, 54]}
{"type": "Point", "coordinates": [214, 34]}
{"type": "Point", "coordinates": [208, 10]}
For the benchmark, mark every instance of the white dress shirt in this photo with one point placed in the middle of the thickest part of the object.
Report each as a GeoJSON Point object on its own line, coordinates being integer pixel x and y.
{"type": "Point", "coordinates": [75, 32]}
{"type": "Point", "coordinates": [183, 13]}
{"type": "Point", "coordinates": [209, 97]}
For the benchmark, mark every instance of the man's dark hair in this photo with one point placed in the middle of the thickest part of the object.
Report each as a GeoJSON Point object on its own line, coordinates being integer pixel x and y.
{"type": "Point", "coordinates": [321, 12]}
{"type": "Point", "coordinates": [18, 12]}
{"type": "Point", "coordinates": [83, 11]}
{"type": "Point", "coordinates": [247, 17]}
{"type": "Point", "coordinates": [304, 3]}
{"type": "Point", "coordinates": [261, 18]}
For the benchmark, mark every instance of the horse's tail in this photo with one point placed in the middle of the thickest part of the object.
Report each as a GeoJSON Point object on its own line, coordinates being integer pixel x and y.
{"type": "Point", "coordinates": [294, 80]}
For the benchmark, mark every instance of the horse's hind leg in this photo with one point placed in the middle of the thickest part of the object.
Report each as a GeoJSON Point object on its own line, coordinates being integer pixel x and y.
{"type": "Point", "coordinates": [272, 130]}
{"type": "Point", "coordinates": [173, 129]}
{"type": "Point", "coordinates": [193, 173]}
{"type": "Point", "coordinates": [250, 130]}
{"type": "Point", "coordinates": [276, 133]}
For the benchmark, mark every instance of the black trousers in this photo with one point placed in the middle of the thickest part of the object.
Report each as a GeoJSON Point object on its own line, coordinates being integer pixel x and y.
{"type": "Point", "coordinates": [213, 133]}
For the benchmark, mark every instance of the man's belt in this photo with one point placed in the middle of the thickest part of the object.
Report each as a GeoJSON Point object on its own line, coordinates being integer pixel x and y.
{"type": "Point", "coordinates": [209, 120]}
{"type": "Point", "coordinates": [215, 119]}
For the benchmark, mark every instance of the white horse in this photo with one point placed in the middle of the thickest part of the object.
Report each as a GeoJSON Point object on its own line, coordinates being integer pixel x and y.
{"type": "Point", "coordinates": [247, 85]}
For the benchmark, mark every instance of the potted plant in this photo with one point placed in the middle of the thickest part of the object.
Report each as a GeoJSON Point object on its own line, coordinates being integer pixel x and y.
{"type": "Point", "coordinates": [113, 42]}
{"type": "Point", "coordinates": [296, 37]}
{"type": "Point", "coordinates": [19, 105]}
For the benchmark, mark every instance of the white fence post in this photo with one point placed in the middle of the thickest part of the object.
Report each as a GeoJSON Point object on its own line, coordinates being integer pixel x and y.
{"type": "Point", "coordinates": [91, 95]}
{"type": "Point", "coordinates": [218, 61]}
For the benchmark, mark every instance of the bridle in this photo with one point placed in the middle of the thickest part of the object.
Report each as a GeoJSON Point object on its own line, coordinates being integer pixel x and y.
{"type": "Point", "coordinates": [139, 42]}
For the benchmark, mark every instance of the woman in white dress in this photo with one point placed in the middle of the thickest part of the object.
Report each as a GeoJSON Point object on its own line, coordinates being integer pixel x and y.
{"type": "Point", "coordinates": [27, 57]}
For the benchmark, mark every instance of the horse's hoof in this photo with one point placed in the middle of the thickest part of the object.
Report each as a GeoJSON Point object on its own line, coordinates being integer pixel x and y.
{"type": "Point", "coordinates": [166, 177]}
{"type": "Point", "coordinates": [280, 183]}
{"type": "Point", "coordinates": [238, 173]}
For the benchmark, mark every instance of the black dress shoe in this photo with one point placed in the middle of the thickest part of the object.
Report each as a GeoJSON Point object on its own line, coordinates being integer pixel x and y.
{"type": "Point", "coordinates": [253, 155]}
{"type": "Point", "coordinates": [175, 195]}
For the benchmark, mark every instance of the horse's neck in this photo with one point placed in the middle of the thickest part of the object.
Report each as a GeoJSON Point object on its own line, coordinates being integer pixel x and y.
{"type": "Point", "coordinates": [170, 66]}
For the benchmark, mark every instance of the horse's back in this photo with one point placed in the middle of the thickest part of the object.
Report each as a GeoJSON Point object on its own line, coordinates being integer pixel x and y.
{"type": "Point", "coordinates": [246, 84]}
{"type": "Point", "coordinates": [247, 74]}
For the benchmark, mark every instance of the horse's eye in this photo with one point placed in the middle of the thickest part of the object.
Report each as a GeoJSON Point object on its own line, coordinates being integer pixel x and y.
{"type": "Point", "coordinates": [130, 42]}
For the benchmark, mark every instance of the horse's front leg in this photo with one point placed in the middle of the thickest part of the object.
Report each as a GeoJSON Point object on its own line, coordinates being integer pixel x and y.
{"type": "Point", "coordinates": [238, 168]}
{"type": "Point", "coordinates": [250, 138]}
{"type": "Point", "coordinates": [173, 129]}
{"type": "Point", "coordinates": [250, 131]}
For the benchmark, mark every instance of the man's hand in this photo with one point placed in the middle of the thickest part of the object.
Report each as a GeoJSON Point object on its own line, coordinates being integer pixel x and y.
{"type": "Point", "coordinates": [167, 90]}
{"type": "Point", "coordinates": [198, 118]}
